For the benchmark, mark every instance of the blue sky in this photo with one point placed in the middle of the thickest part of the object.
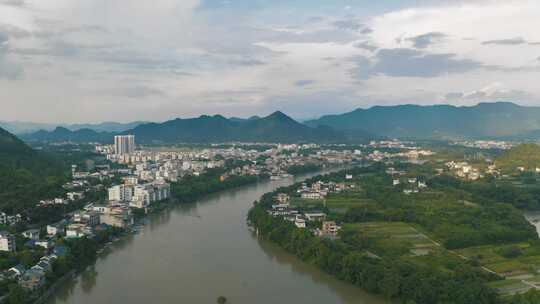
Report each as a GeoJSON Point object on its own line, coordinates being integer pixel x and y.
{"type": "Point", "coordinates": [100, 60]}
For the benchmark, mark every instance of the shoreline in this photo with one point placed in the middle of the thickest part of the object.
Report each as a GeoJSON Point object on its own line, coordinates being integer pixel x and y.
{"type": "Point", "coordinates": [74, 274]}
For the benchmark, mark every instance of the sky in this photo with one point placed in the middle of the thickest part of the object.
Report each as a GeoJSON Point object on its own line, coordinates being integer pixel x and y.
{"type": "Point", "coordinates": [125, 60]}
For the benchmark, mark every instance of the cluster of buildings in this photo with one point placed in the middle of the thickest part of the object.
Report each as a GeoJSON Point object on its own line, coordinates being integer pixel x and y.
{"type": "Point", "coordinates": [486, 144]}
{"type": "Point", "coordinates": [33, 278]}
{"type": "Point", "coordinates": [410, 154]}
{"type": "Point", "coordinates": [138, 195]}
{"type": "Point", "coordinates": [301, 219]}
{"type": "Point", "coordinates": [465, 170]}
{"type": "Point", "coordinates": [171, 166]}
{"type": "Point", "coordinates": [283, 209]}
{"type": "Point", "coordinates": [408, 183]}
{"type": "Point", "coordinates": [320, 190]}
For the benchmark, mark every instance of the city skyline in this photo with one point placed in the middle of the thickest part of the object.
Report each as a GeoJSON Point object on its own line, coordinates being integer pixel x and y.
{"type": "Point", "coordinates": [241, 58]}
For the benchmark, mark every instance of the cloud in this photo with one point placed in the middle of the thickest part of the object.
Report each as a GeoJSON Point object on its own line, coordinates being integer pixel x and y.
{"type": "Point", "coordinates": [366, 46]}
{"type": "Point", "coordinates": [402, 62]}
{"type": "Point", "coordinates": [427, 39]}
{"type": "Point", "coordinates": [246, 62]}
{"type": "Point", "coordinates": [453, 95]}
{"type": "Point", "coordinates": [12, 2]}
{"type": "Point", "coordinates": [509, 41]}
{"type": "Point", "coordinates": [8, 69]}
{"type": "Point", "coordinates": [303, 83]}
{"type": "Point", "coordinates": [134, 92]}
{"type": "Point", "coordinates": [306, 36]}
{"type": "Point", "coordinates": [493, 92]}
{"type": "Point", "coordinates": [162, 58]}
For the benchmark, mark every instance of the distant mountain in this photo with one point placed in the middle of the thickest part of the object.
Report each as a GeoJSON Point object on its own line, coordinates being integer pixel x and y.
{"type": "Point", "coordinates": [26, 175]}
{"type": "Point", "coordinates": [19, 127]}
{"type": "Point", "coordinates": [237, 119]}
{"type": "Point", "coordinates": [106, 126]}
{"type": "Point", "coordinates": [61, 134]}
{"type": "Point", "coordinates": [276, 127]}
{"type": "Point", "coordinates": [485, 120]}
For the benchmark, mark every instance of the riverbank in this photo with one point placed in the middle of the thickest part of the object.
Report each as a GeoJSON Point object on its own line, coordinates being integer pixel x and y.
{"type": "Point", "coordinates": [83, 252]}
{"type": "Point", "coordinates": [206, 248]}
{"type": "Point", "coordinates": [387, 238]}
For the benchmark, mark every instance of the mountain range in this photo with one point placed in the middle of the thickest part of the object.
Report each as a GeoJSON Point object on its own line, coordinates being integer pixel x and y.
{"type": "Point", "coordinates": [504, 120]}
{"type": "Point", "coordinates": [276, 127]}
{"type": "Point", "coordinates": [21, 127]}
{"type": "Point", "coordinates": [497, 120]}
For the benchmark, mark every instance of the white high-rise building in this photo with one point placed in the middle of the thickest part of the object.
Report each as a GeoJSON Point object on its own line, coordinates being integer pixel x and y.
{"type": "Point", "coordinates": [7, 242]}
{"type": "Point", "coordinates": [124, 144]}
{"type": "Point", "coordinates": [121, 193]}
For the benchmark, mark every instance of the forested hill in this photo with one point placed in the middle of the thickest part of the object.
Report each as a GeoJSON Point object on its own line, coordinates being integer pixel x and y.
{"type": "Point", "coordinates": [26, 175]}
{"type": "Point", "coordinates": [275, 128]}
{"type": "Point", "coordinates": [485, 120]}
{"type": "Point", "coordinates": [61, 134]}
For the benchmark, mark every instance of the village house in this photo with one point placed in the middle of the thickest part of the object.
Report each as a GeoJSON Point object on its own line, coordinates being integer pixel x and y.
{"type": "Point", "coordinates": [32, 234]}
{"type": "Point", "coordinates": [312, 195]}
{"type": "Point", "coordinates": [32, 280]}
{"type": "Point", "coordinates": [329, 228]}
{"type": "Point", "coordinates": [315, 216]}
{"type": "Point", "coordinates": [282, 198]}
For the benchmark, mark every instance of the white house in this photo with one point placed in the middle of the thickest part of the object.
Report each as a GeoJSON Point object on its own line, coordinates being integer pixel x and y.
{"type": "Point", "coordinates": [7, 242]}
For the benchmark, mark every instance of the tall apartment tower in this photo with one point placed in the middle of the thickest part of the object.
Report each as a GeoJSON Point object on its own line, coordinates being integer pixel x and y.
{"type": "Point", "coordinates": [124, 144]}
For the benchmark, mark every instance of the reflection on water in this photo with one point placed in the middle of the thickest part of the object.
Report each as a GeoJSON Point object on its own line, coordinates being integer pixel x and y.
{"type": "Point", "coordinates": [194, 253]}
{"type": "Point", "coordinates": [347, 292]}
{"type": "Point", "coordinates": [88, 279]}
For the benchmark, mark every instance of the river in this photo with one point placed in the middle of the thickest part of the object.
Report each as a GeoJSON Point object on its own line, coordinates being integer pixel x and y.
{"type": "Point", "coordinates": [196, 252]}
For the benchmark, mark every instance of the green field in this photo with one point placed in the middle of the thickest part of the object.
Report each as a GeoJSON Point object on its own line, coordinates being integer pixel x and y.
{"type": "Point", "coordinates": [340, 204]}
{"type": "Point", "coordinates": [394, 237]}
{"type": "Point", "coordinates": [510, 286]}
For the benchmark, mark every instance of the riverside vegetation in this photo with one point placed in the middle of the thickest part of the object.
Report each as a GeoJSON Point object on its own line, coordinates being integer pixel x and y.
{"type": "Point", "coordinates": [425, 247]}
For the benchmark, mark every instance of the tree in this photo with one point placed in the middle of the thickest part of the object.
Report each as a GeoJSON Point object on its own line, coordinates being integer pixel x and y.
{"type": "Point", "coordinates": [221, 300]}
{"type": "Point", "coordinates": [17, 295]}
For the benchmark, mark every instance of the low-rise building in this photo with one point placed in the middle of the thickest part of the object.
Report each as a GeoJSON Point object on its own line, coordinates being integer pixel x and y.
{"type": "Point", "coordinates": [32, 234]}
{"type": "Point", "coordinates": [32, 279]}
{"type": "Point", "coordinates": [312, 195]}
{"type": "Point", "coordinates": [329, 228]}
{"type": "Point", "coordinates": [56, 229]}
{"type": "Point", "coordinates": [300, 223]}
{"type": "Point", "coordinates": [315, 216]}
{"type": "Point", "coordinates": [282, 198]}
{"type": "Point", "coordinates": [7, 242]}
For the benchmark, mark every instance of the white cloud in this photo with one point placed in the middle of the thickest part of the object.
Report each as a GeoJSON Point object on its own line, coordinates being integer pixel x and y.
{"type": "Point", "coordinates": [166, 58]}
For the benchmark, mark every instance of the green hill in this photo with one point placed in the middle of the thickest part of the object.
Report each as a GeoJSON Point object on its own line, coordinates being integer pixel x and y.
{"type": "Point", "coordinates": [275, 128]}
{"type": "Point", "coordinates": [525, 155]}
{"type": "Point", "coordinates": [485, 120]}
{"type": "Point", "coordinates": [26, 175]}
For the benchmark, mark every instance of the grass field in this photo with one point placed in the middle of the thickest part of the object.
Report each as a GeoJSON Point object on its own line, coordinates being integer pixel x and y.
{"type": "Point", "coordinates": [522, 271]}
{"type": "Point", "coordinates": [393, 237]}
{"type": "Point", "coordinates": [510, 286]}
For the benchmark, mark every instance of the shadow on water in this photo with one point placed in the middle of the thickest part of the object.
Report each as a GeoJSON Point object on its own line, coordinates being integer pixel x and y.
{"type": "Point", "coordinates": [89, 279]}
{"type": "Point", "coordinates": [348, 293]}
